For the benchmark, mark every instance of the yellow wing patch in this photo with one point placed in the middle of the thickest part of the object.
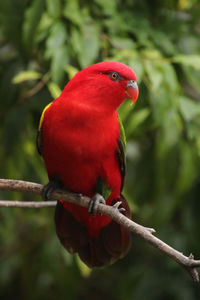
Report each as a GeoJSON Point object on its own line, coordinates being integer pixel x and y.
{"type": "Point", "coordinates": [42, 116]}
{"type": "Point", "coordinates": [39, 141]}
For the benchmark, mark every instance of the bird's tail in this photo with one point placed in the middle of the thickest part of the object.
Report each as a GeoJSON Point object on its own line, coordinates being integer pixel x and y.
{"type": "Point", "coordinates": [112, 243]}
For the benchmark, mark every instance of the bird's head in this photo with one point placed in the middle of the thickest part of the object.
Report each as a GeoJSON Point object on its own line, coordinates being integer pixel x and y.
{"type": "Point", "coordinates": [105, 85]}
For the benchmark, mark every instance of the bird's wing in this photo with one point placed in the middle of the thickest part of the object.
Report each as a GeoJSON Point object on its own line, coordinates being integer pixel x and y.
{"type": "Point", "coordinates": [39, 140]}
{"type": "Point", "coordinates": [121, 152]}
{"type": "Point", "coordinates": [101, 186]}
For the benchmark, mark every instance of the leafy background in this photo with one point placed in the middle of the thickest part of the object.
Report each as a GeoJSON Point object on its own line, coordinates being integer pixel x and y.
{"type": "Point", "coordinates": [42, 45]}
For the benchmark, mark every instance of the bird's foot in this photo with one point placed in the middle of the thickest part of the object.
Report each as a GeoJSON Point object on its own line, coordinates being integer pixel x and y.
{"type": "Point", "coordinates": [117, 206]}
{"type": "Point", "coordinates": [54, 184]}
{"type": "Point", "coordinates": [94, 203]}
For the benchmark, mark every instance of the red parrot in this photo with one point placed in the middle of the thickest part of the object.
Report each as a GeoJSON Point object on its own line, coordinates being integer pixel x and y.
{"type": "Point", "coordinates": [81, 141]}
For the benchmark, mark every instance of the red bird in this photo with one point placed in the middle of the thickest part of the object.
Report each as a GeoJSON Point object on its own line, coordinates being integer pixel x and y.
{"type": "Point", "coordinates": [80, 139]}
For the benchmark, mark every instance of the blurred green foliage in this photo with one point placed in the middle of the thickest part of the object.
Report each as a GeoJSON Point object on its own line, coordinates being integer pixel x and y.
{"type": "Point", "coordinates": [42, 45]}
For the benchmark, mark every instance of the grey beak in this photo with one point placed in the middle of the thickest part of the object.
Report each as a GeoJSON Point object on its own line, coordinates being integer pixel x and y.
{"type": "Point", "coordinates": [133, 84]}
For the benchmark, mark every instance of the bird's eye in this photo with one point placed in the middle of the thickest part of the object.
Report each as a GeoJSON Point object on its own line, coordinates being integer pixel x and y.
{"type": "Point", "coordinates": [114, 76]}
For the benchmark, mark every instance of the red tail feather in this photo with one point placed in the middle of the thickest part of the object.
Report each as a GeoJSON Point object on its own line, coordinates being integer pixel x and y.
{"type": "Point", "coordinates": [112, 243]}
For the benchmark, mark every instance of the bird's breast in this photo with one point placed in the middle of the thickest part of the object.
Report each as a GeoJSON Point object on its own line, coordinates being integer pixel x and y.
{"type": "Point", "coordinates": [80, 148]}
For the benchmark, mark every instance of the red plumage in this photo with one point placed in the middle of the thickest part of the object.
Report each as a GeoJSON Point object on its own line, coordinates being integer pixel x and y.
{"type": "Point", "coordinates": [80, 133]}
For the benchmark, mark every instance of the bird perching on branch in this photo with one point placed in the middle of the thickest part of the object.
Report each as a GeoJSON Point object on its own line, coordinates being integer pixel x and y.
{"type": "Point", "coordinates": [82, 142]}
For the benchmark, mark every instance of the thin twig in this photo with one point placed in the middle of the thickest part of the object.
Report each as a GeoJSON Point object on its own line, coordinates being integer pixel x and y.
{"type": "Point", "coordinates": [27, 204]}
{"type": "Point", "coordinates": [40, 84]}
{"type": "Point", "coordinates": [189, 263]}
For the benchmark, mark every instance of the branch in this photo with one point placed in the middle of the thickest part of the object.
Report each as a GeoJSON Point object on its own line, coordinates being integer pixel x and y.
{"type": "Point", "coordinates": [189, 263]}
{"type": "Point", "coordinates": [27, 204]}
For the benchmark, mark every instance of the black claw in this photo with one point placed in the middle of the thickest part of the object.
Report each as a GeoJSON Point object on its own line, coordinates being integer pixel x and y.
{"type": "Point", "coordinates": [94, 203]}
{"type": "Point", "coordinates": [47, 191]}
{"type": "Point", "coordinates": [50, 187]}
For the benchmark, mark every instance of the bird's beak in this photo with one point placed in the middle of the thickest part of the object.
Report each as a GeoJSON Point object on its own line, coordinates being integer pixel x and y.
{"type": "Point", "coordinates": [132, 90]}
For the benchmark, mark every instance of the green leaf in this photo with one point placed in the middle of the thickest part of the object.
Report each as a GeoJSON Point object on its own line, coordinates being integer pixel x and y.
{"type": "Point", "coordinates": [76, 16]}
{"type": "Point", "coordinates": [188, 60]}
{"type": "Point", "coordinates": [154, 75]}
{"type": "Point", "coordinates": [138, 67]}
{"type": "Point", "coordinates": [86, 43]}
{"type": "Point", "coordinates": [32, 17]}
{"type": "Point", "coordinates": [122, 43]}
{"type": "Point", "coordinates": [57, 51]}
{"type": "Point", "coordinates": [169, 132]}
{"type": "Point", "coordinates": [90, 44]}
{"type": "Point", "coordinates": [137, 119]}
{"type": "Point", "coordinates": [188, 171]}
{"type": "Point", "coordinates": [152, 54]}
{"type": "Point", "coordinates": [109, 7]}
{"type": "Point", "coordinates": [53, 8]}
{"type": "Point", "coordinates": [76, 41]}
{"type": "Point", "coordinates": [46, 22]}
{"type": "Point", "coordinates": [189, 108]}
{"type": "Point", "coordinates": [84, 270]}
{"type": "Point", "coordinates": [26, 75]}
{"type": "Point", "coordinates": [57, 38]}
{"type": "Point", "coordinates": [54, 89]}
{"type": "Point", "coordinates": [71, 71]}
{"type": "Point", "coordinates": [58, 63]}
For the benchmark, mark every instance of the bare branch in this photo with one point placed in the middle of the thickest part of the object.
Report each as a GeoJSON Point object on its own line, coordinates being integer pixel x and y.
{"type": "Point", "coordinates": [189, 263]}
{"type": "Point", "coordinates": [27, 204]}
